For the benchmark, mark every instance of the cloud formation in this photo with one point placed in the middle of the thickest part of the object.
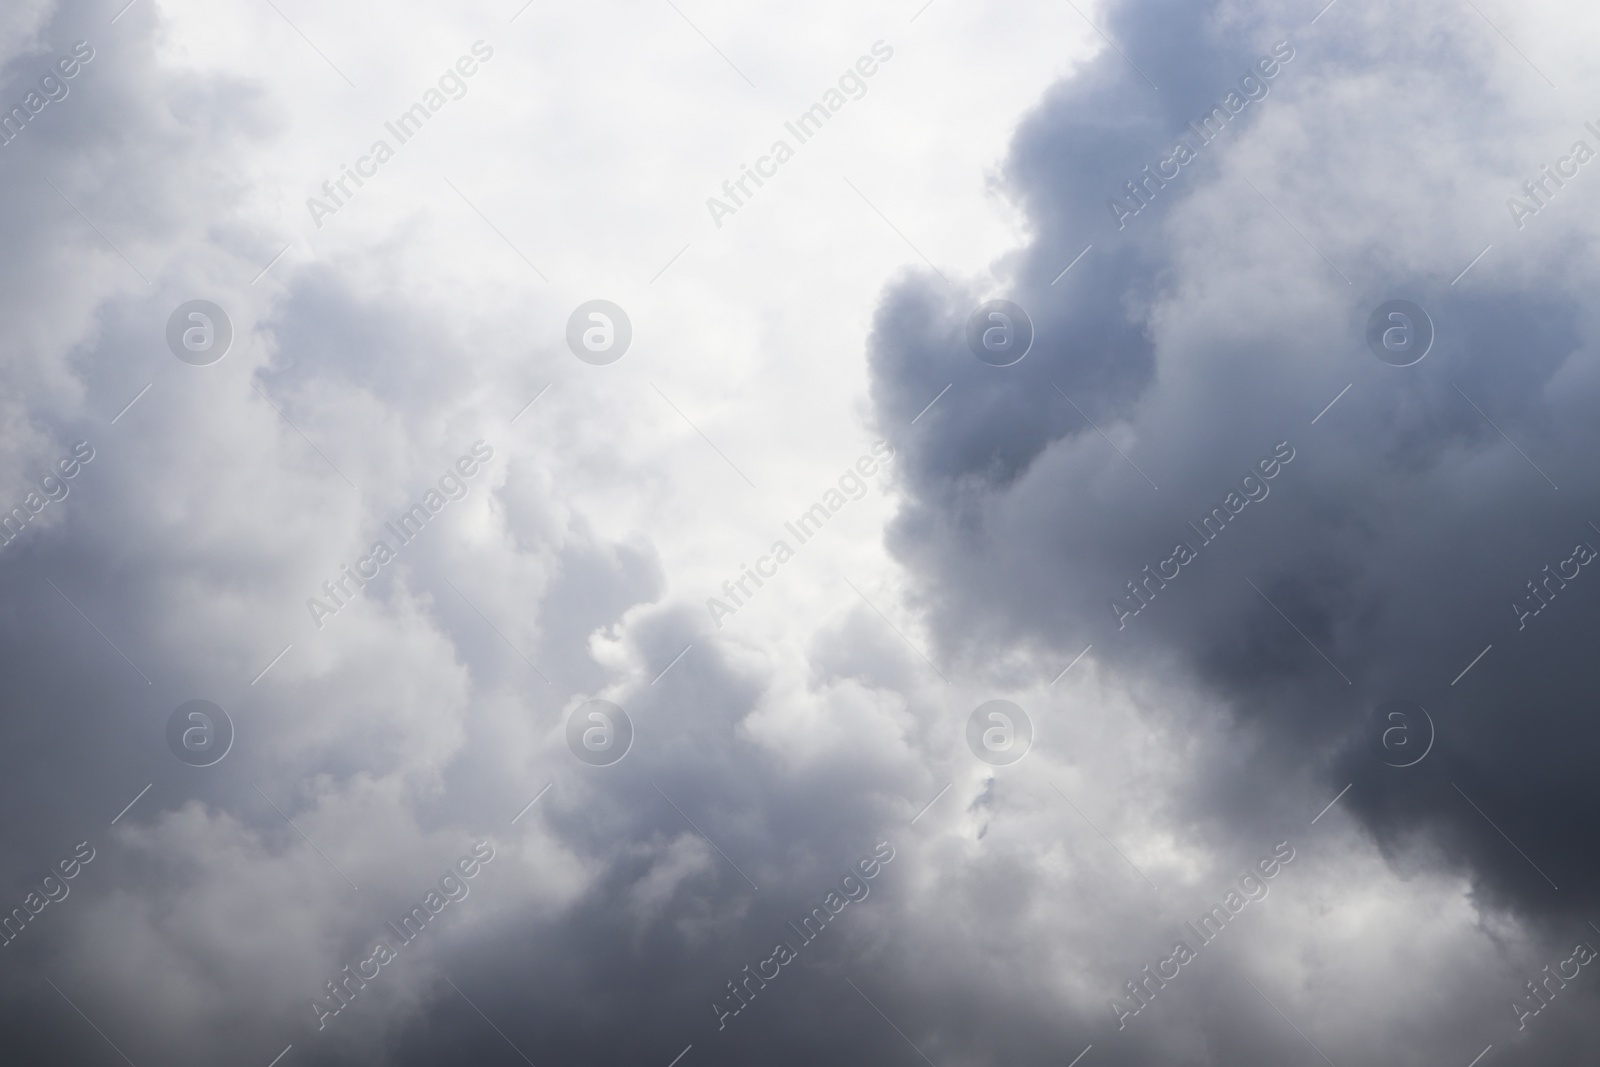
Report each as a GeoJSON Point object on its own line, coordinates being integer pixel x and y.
{"type": "Point", "coordinates": [1356, 533]}
{"type": "Point", "coordinates": [1228, 315]}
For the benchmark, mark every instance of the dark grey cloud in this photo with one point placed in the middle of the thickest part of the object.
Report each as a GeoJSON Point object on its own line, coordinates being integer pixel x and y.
{"type": "Point", "coordinates": [1389, 551]}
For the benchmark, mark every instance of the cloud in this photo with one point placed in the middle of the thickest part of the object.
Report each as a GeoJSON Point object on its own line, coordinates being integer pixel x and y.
{"type": "Point", "coordinates": [430, 711]}
{"type": "Point", "coordinates": [1216, 324]}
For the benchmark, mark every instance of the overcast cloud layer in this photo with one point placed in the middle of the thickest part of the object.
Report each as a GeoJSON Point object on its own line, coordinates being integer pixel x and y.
{"type": "Point", "coordinates": [1296, 642]}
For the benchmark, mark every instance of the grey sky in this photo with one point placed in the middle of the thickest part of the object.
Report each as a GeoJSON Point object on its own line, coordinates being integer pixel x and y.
{"type": "Point", "coordinates": [1244, 708]}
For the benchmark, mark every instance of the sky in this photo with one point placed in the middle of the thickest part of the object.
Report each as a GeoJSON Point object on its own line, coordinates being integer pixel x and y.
{"type": "Point", "coordinates": [689, 533]}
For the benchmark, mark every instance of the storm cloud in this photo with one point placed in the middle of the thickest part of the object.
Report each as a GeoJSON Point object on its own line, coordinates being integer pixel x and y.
{"type": "Point", "coordinates": [361, 700]}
